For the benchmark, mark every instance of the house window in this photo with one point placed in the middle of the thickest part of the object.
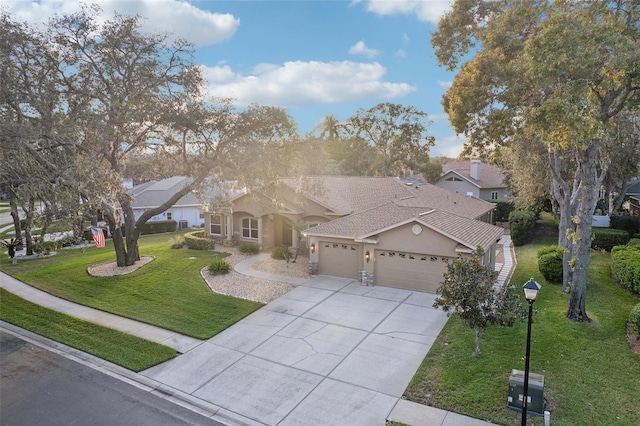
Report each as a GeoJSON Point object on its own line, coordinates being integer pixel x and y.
{"type": "Point", "coordinates": [494, 195]}
{"type": "Point", "coordinates": [453, 179]}
{"type": "Point", "coordinates": [215, 227]}
{"type": "Point", "coordinates": [169, 217]}
{"type": "Point", "coordinates": [201, 215]}
{"type": "Point", "coordinates": [250, 228]}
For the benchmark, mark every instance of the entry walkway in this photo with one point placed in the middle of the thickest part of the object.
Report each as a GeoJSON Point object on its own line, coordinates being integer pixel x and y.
{"type": "Point", "coordinates": [330, 351]}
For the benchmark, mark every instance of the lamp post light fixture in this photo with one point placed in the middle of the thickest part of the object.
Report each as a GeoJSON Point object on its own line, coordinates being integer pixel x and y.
{"type": "Point", "coordinates": [531, 289]}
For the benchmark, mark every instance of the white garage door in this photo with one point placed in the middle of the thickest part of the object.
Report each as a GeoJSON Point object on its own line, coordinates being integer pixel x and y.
{"type": "Point", "coordinates": [411, 271]}
{"type": "Point", "coordinates": [338, 259]}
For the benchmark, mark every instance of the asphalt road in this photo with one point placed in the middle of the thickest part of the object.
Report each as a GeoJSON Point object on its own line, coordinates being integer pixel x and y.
{"type": "Point", "coordinates": [38, 387]}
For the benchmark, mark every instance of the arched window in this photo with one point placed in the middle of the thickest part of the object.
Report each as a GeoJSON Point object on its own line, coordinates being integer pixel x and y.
{"type": "Point", "coordinates": [250, 228]}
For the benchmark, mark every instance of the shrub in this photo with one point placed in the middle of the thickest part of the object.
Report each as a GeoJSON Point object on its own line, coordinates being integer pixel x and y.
{"type": "Point", "coordinates": [549, 249]}
{"type": "Point", "coordinates": [219, 266]}
{"type": "Point", "coordinates": [625, 267]}
{"type": "Point", "coordinates": [606, 238]}
{"type": "Point", "coordinates": [521, 223]}
{"type": "Point", "coordinates": [249, 249]}
{"type": "Point", "coordinates": [550, 266]}
{"type": "Point", "coordinates": [625, 223]}
{"type": "Point", "coordinates": [45, 247]}
{"type": "Point", "coordinates": [159, 227]}
{"type": "Point", "coordinates": [177, 242]}
{"type": "Point", "coordinates": [634, 318]}
{"type": "Point", "coordinates": [195, 240]}
{"type": "Point", "coordinates": [634, 242]}
{"type": "Point", "coordinates": [281, 253]}
{"type": "Point", "coordinates": [503, 209]}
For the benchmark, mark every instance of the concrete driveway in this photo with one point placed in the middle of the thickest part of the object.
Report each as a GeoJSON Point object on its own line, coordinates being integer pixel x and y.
{"type": "Point", "coordinates": [331, 351]}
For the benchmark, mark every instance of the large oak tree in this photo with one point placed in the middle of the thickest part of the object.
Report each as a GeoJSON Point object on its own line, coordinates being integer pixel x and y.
{"type": "Point", "coordinates": [102, 90]}
{"type": "Point", "coordinates": [558, 71]}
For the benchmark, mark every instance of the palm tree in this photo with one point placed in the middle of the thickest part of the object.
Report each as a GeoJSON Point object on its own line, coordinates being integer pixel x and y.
{"type": "Point", "coordinates": [329, 127]}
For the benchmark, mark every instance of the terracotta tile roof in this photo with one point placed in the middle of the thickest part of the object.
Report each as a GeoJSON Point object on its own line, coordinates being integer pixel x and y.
{"type": "Point", "coordinates": [490, 176]}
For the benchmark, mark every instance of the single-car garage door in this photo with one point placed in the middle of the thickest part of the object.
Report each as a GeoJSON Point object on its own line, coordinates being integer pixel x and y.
{"type": "Point", "coordinates": [411, 271]}
{"type": "Point", "coordinates": [338, 259]}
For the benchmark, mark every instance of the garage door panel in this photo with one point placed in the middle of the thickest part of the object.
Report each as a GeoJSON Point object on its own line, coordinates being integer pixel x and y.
{"type": "Point", "coordinates": [411, 271]}
{"type": "Point", "coordinates": [338, 259]}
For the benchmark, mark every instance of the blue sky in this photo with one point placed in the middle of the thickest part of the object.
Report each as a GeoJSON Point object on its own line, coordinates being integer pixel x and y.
{"type": "Point", "coordinates": [313, 58]}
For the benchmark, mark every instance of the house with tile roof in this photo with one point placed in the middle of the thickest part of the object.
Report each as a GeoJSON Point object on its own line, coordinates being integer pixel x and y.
{"type": "Point", "coordinates": [379, 230]}
{"type": "Point", "coordinates": [475, 179]}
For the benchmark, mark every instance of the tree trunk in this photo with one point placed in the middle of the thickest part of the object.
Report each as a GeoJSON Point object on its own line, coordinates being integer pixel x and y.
{"type": "Point", "coordinates": [16, 218]}
{"type": "Point", "coordinates": [562, 193]}
{"type": "Point", "coordinates": [28, 223]}
{"type": "Point", "coordinates": [477, 341]}
{"type": "Point", "coordinates": [588, 193]}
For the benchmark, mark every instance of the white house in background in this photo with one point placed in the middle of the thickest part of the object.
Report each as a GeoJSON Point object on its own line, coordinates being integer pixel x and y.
{"type": "Point", "coordinates": [186, 211]}
{"type": "Point", "coordinates": [474, 179]}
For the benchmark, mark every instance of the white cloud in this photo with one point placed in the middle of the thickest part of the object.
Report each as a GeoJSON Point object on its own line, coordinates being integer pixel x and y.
{"type": "Point", "coordinates": [400, 53]}
{"type": "Point", "coordinates": [177, 17]}
{"type": "Point", "coordinates": [425, 10]}
{"type": "Point", "coordinates": [450, 146]}
{"type": "Point", "coordinates": [361, 49]}
{"type": "Point", "coordinates": [304, 83]}
{"type": "Point", "coordinates": [445, 84]}
{"type": "Point", "coordinates": [405, 38]}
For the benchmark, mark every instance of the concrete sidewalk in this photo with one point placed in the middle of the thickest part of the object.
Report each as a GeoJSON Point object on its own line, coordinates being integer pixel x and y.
{"type": "Point", "coordinates": [330, 351]}
{"type": "Point", "coordinates": [179, 342]}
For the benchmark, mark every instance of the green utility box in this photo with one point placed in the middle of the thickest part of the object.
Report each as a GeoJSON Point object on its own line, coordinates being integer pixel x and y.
{"type": "Point", "coordinates": [535, 394]}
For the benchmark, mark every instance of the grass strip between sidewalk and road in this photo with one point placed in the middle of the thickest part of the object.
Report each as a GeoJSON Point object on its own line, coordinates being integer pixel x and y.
{"type": "Point", "coordinates": [592, 377]}
{"type": "Point", "coordinates": [123, 349]}
{"type": "Point", "coordinates": [167, 292]}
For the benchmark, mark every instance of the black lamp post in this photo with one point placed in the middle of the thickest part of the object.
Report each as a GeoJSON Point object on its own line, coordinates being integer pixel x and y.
{"type": "Point", "coordinates": [531, 289]}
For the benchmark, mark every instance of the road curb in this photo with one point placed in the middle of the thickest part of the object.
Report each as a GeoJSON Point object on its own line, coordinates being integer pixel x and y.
{"type": "Point", "coordinates": [140, 381]}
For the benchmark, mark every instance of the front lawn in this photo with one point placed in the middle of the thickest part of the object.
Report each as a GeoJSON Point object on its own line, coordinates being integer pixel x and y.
{"type": "Point", "coordinates": [117, 347]}
{"type": "Point", "coordinates": [592, 377]}
{"type": "Point", "coordinates": [168, 292]}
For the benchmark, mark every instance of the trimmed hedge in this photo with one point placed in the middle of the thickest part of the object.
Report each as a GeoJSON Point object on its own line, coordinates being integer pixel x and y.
{"type": "Point", "coordinates": [196, 241]}
{"type": "Point", "coordinates": [153, 227]}
{"type": "Point", "coordinates": [625, 223]}
{"type": "Point", "coordinates": [549, 249]}
{"type": "Point", "coordinates": [159, 226]}
{"type": "Point", "coordinates": [634, 242]}
{"type": "Point", "coordinates": [625, 267]}
{"type": "Point", "coordinates": [634, 318]}
{"type": "Point", "coordinates": [606, 238]}
{"type": "Point", "coordinates": [550, 266]}
{"type": "Point", "coordinates": [521, 223]}
{"type": "Point", "coordinates": [503, 209]}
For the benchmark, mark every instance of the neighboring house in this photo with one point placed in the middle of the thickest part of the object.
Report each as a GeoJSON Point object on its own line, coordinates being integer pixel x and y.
{"type": "Point", "coordinates": [475, 179]}
{"type": "Point", "coordinates": [381, 231]}
{"type": "Point", "coordinates": [633, 197]}
{"type": "Point", "coordinates": [186, 211]}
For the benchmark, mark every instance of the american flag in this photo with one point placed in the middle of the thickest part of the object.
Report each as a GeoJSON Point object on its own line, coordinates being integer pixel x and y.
{"type": "Point", "coordinates": [98, 237]}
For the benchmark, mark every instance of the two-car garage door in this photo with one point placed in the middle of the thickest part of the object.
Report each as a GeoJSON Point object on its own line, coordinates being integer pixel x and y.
{"type": "Point", "coordinates": [410, 271]}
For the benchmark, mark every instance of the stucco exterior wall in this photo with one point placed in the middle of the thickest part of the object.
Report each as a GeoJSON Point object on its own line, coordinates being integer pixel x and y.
{"type": "Point", "coordinates": [463, 187]}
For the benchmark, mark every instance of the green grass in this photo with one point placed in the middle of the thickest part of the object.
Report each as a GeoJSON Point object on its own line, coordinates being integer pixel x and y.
{"type": "Point", "coordinates": [591, 375]}
{"type": "Point", "coordinates": [168, 292]}
{"type": "Point", "coordinates": [114, 346]}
